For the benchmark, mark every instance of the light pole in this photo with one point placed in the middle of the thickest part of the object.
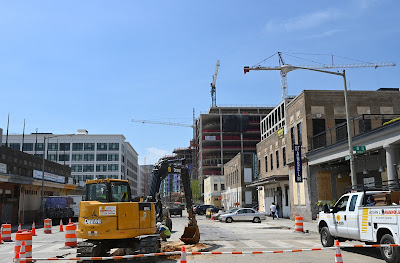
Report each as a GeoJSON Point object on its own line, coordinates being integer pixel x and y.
{"type": "Point", "coordinates": [43, 164]}
{"type": "Point", "coordinates": [287, 68]}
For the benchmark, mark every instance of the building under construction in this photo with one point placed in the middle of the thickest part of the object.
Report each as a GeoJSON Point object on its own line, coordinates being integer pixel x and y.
{"type": "Point", "coordinates": [223, 132]}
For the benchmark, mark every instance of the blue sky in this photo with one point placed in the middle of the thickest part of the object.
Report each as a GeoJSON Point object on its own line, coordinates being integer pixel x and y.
{"type": "Point", "coordinates": [95, 65]}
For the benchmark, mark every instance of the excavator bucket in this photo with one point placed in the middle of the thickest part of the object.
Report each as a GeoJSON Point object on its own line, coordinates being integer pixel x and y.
{"type": "Point", "coordinates": [191, 235]}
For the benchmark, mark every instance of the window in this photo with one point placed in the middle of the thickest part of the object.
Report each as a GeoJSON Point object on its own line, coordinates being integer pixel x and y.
{"type": "Point", "coordinates": [39, 155]}
{"type": "Point", "coordinates": [77, 146]}
{"type": "Point", "coordinates": [215, 187]}
{"type": "Point", "coordinates": [266, 163]}
{"type": "Point", "coordinates": [353, 202]}
{"type": "Point", "coordinates": [27, 147]}
{"type": "Point", "coordinates": [101, 157]}
{"type": "Point", "coordinates": [102, 146]}
{"type": "Point", "coordinates": [88, 157]}
{"type": "Point", "coordinates": [52, 146]}
{"type": "Point", "coordinates": [52, 157]}
{"type": "Point", "coordinates": [113, 167]}
{"type": "Point", "coordinates": [271, 162]}
{"type": "Point", "coordinates": [64, 146]}
{"type": "Point", "coordinates": [342, 203]}
{"type": "Point", "coordinates": [284, 156]}
{"type": "Point", "coordinates": [77, 157]}
{"type": "Point", "coordinates": [277, 159]}
{"type": "Point", "coordinates": [89, 146]}
{"type": "Point", "coordinates": [365, 125]}
{"type": "Point", "coordinates": [76, 168]}
{"type": "Point", "coordinates": [113, 157]}
{"type": "Point", "coordinates": [101, 167]}
{"type": "Point", "coordinates": [292, 137]}
{"type": "Point", "coordinates": [299, 134]}
{"type": "Point", "coordinates": [113, 146]}
{"type": "Point", "coordinates": [119, 192]}
{"type": "Point", "coordinates": [15, 146]}
{"type": "Point", "coordinates": [39, 146]}
{"type": "Point", "coordinates": [222, 187]}
{"type": "Point", "coordinates": [63, 157]}
{"type": "Point", "coordinates": [319, 134]}
{"type": "Point", "coordinates": [341, 129]}
{"type": "Point", "coordinates": [88, 168]}
{"type": "Point", "coordinates": [286, 195]}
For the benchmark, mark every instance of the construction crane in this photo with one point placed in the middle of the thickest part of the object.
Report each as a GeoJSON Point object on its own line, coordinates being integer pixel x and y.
{"type": "Point", "coordinates": [164, 123]}
{"type": "Point", "coordinates": [213, 89]}
{"type": "Point", "coordinates": [285, 68]}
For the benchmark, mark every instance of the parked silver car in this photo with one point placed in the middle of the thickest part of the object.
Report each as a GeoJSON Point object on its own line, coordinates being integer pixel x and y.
{"type": "Point", "coordinates": [217, 215]}
{"type": "Point", "coordinates": [243, 214]}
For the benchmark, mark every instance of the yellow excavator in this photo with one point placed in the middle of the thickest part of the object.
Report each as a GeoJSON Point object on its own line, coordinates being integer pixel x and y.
{"type": "Point", "coordinates": [110, 218]}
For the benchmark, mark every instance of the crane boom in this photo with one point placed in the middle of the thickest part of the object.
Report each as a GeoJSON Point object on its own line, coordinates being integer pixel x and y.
{"type": "Point", "coordinates": [213, 88]}
{"type": "Point", "coordinates": [164, 123]}
{"type": "Point", "coordinates": [284, 70]}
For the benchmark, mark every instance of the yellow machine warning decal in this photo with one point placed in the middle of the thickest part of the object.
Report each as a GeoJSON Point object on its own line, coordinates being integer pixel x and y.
{"type": "Point", "coordinates": [364, 221]}
{"type": "Point", "coordinates": [169, 169]}
{"type": "Point", "coordinates": [107, 210]}
{"type": "Point", "coordinates": [338, 217]}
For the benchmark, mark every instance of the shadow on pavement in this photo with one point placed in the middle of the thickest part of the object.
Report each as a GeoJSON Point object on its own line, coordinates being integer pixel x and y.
{"type": "Point", "coordinates": [374, 252]}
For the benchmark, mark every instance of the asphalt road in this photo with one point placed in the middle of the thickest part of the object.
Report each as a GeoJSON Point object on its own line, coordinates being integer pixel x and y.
{"type": "Point", "coordinates": [237, 236]}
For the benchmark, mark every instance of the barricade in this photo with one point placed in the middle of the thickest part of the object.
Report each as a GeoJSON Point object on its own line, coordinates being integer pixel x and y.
{"type": "Point", "coordinates": [298, 224]}
{"type": "Point", "coordinates": [61, 226]}
{"type": "Point", "coordinates": [70, 235]}
{"type": "Point", "coordinates": [47, 226]}
{"type": "Point", "coordinates": [6, 233]}
{"type": "Point", "coordinates": [33, 229]}
{"type": "Point", "coordinates": [1, 232]}
{"type": "Point", "coordinates": [23, 237]}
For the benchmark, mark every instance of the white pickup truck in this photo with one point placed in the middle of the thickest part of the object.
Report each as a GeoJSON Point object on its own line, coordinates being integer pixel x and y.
{"type": "Point", "coordinates": [352, 219]}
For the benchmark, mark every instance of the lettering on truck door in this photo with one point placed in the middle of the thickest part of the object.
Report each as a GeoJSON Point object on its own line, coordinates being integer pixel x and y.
{"type": "Point", "coordinates": [340, 218]}
{"type": "Point", "coordinates": [352, 217]}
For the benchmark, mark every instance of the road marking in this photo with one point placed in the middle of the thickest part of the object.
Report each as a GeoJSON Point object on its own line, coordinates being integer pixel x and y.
{"type": "Point", "coordinates": [225, 244]}
{"type": "Point", "coordinates": [309, 243]}
{"type": "Point", "coordinates": [52, 248]}
{"type": "Point", "coordinates": [281, 244]}
{"type": "Point", "coordinates": [252, 244]}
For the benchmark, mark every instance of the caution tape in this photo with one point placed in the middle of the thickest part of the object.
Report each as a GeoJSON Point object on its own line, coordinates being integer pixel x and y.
{"type": "Point", "coordinates": [210, 253]}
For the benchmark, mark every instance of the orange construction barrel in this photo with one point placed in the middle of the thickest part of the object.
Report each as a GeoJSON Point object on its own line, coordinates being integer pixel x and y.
{"type": "Point", "coordinates": [47, 226]}
{"type": "Point", "coordinates": [23, 236]}
{"type": "Point", "coordinates": [6, 235]}
{"type": "Point", "coordinates": [70, 235]}
{"type": "Point", "coordinates": [298, 224]}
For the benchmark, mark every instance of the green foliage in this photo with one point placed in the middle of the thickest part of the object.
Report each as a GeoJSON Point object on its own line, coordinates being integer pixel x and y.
{"type": "Point", "coordinates": [196, 190]}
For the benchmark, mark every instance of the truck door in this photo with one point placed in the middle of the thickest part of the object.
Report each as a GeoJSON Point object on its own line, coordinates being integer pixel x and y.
{"type": "Point", "coordinates": [339, 228]}
{"type": "Point", "coordinates": [352, 218]}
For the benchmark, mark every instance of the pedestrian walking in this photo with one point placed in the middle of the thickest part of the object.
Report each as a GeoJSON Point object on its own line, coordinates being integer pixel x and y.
{"type": "Point", "coordinates": [272, 208]}
{"type": "Point", "coordinates": [277, 211]}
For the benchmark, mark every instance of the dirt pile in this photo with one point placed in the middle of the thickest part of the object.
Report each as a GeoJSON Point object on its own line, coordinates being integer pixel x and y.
{"type": "Point", "coordinates": [177, 246]}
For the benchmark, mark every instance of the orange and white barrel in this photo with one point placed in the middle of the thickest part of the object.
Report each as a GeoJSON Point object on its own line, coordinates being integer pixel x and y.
{"type": "Point", "coordinates": [1, 232]}
{"type": "Point", "coordinates": [6, 235]}
{"type": "Point", "coordinates": [298, 224]}
{"type": "Point", "coordinates": [70, 235]}
{"type": "Point", "coordinates": [47, 226]}
{"type": "Point", "coordinates": [26, 237]}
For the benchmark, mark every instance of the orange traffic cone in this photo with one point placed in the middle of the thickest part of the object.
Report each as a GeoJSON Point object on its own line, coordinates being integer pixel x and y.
{"type": "Point", "coordinates": [22, 252]}
{"type": "Point", "coordinates": [338, 255]}
{"type": "Point", "coordinates": [69, 221]}
{"type": "Point", "coordinates": [61, 226]}
{"type": "Point", "coordinates": [33, 229]}
{"type": "Point", "coordinates": [183, 255]}
{"type": "Point", "coordinates": [19, 227]}
{"type": "Point", "coordinates": [16, 259]}
{"type": "Point", "coordinates": [212, 218]}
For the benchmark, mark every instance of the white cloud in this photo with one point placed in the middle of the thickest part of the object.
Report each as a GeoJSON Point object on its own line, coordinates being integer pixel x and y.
{"type": "Point", "coordinates": [303, 22]}
{"type": "Point", "coordinates": [153, 155]}
{"type": "Point", "coordinates": [326, 33]}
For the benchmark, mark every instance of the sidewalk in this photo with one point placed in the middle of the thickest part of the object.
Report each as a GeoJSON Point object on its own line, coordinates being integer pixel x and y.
{"type": "Point", "coordinates": [289, 223]}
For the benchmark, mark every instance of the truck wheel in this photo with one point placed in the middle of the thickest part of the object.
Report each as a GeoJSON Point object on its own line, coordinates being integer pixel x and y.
{"type": "Point", "coordinates": [390, 254]}
{"type": "Point", "coordinates": [326, 238]}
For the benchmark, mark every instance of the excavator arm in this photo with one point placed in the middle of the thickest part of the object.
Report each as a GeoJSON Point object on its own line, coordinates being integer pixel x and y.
{"type": "Point", "coordinates": [191, 234]}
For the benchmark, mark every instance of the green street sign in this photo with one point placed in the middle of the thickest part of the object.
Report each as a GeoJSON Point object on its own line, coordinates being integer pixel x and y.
{"type": "Point", "coordinates": [359, 149]}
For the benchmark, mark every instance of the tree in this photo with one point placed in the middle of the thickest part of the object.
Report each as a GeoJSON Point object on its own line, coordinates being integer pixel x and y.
{"type": "Point", "coordinates": [196, 190]}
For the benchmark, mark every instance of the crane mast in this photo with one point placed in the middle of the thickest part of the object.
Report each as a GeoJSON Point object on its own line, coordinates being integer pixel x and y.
{"type": "Point", "coordinates": [213, 89]}
{"type": "Point", "coordinates": [284, 70]}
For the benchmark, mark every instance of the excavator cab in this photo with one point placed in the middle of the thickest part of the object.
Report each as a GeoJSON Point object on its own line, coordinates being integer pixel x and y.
{"type": "Point", "coordinates": [106, 191]}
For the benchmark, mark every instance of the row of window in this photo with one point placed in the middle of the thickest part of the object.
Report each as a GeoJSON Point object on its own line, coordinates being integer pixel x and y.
{"type": "Point", "coordinates": [66, 146]}
{"type": "Point", "coordinates": [81, 157]}
{"type": "Point", "coordinates": [233, 178]}
{"type": "Point", "coordinates": [90, 168]}
{"type": "Point", "coordinates": [271, 161]}
{"type": "Point", "coordinates": [91, 177]}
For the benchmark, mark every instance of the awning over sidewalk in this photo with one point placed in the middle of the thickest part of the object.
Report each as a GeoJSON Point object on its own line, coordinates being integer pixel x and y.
{"type": "Point", "coordinates": [269, 180]}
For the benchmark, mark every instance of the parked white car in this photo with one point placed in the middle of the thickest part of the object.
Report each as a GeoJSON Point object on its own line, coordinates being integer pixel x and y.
{"type": "Point", "coordinates": [243, 214]}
